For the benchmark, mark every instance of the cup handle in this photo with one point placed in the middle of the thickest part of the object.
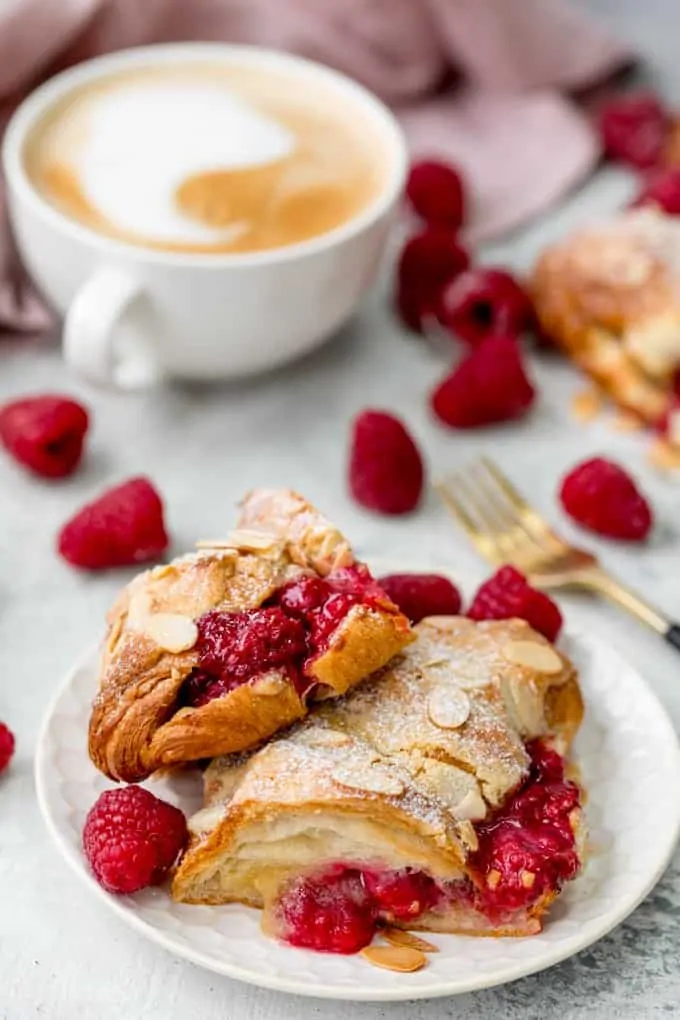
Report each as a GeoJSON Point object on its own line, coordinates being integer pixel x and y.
{"type": "Point", "coordinates": [102, 340]}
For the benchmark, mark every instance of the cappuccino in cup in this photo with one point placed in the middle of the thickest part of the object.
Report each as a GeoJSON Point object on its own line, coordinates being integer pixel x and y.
{"type": "Point", "coordinates": [202, 158]}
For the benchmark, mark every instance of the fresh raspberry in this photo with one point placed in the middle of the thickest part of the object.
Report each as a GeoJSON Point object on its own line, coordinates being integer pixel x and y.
{"type": "Point", "coordinates": [603, 498]}
{"type": "Point", "coordinates": [421, 595]}
{"type": "Point", "coordinates": [435, 191]}
{"type": "Point", "coordinates": [428, 261]}
{"type": "Point", "coordinates": [386, 470]}
{"type": "Point", "coordinates": [483, 302]}
{"type": "Point", "coordinates": [508, 594]}
{"type": "Point", "coordinates": [663, 190]}
{"type": "Point", "coordinates": [122, 527]}
{"type": "Point", "coordinates": [633, 129]}
{"type": "Point", "coordinates": [489, 385]}
{"type": "Point", "coordinates": [45, 434]}
{"type": "Point", "coordinates": [131, 839]}
{"type": "Point", "coordinates": [401, 895]}
{"type": "Point", "coordinates": [332, 914]}
{"type": "Point", "coordinates": [6, 746]}
{"type": "Point", "coordinates": [242, 645]}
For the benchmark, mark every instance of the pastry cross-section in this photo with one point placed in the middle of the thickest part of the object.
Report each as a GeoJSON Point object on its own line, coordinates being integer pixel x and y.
{"type": "Point", "coordinates": [609, 296]}
{"type": "Point", "coordinates": [218, 650]}
{"type": "Point", "coordinates": [433, 796]}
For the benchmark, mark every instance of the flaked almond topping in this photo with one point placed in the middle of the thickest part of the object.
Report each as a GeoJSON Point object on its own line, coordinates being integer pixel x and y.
{"type": "Point", "coordinates": [448, 707]}
{"type": "Point", "coordinates": [467, 835]}
{"type": "Point", "coordinates": [171, 631]}
{"type": "Point", "coordinates": [253, 541]}
{"type": "Point", "coordinates": [441, 622]}
{"type": "Point", "coordinates": [530, 654]}
{"type": "Point", "coordinates": [527, 878]}
{"type": "Point", "coordinates": [586, 404]}
{"type": "Point", "coordinates": [368, 778]}
{"type": "Point", "coordinates": [493, 878]}
{"type": "Point", "coordinates": [324, 738]}
{"type": "Point", "coordinates": [398, 958]}
{"type": "Point", "coordinates": [471, 808]}
{"type": "Point", "coordinates": [216, 543]}
{"type": "Point", "coordinates": [270, 685]}
{"type": "Point", "coordinates": [162, 571]}
{"type": "Point", "coordinates": [399, 937]}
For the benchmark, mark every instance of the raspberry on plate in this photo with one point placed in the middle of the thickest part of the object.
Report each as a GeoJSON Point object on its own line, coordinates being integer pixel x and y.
{"type": "Point", "coordinates": [489, 385]}
{"type": "Point", "coordinates": [435, 191]}
{"type": "Point", "coordinates": [428, 261]}
{"type": "Point", "coordinates": [385, 469]}
{"type": "Point", "coordinates": [45, 433]}
{"type": "Point", "coordinates": [634, 128]}
{"type": "Point", "coordinates": [483, 302]}
{"type": "Point", "coordinates": [131, 839]}
{"type": "Point", "coordinates": [663, 190]}
{"type": "Point", "coordinates": [122, 527]}
{"type": "Point", "coordinates": [421, 595]}
{"type": "Point", "coordinates": [508, 594]}
{"type": "Point", "coordinates": [6, 746]}
{"type": "Point", "coordinates": [603, 498]}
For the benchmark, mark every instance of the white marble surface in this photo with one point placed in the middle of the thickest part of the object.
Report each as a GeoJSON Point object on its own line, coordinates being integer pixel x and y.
{"type": "Point", "coordinates": [62, 956]}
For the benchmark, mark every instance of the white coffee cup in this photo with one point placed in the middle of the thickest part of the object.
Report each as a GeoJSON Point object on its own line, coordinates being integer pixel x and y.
{"type": "Point", "coordinates": [134, 315]}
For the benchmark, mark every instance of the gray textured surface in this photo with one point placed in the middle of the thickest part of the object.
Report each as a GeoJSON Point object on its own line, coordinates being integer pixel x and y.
{"type": "Point", "coordinates": [61, 955]}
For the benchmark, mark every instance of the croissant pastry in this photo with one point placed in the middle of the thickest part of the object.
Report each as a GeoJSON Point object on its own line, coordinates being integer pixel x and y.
{"type": "Point", "coordinates": [216, 651]}
{"type": "Point", "coordinates": [609, 296]}
{"type": "Point", "coordinates": [432, 797]}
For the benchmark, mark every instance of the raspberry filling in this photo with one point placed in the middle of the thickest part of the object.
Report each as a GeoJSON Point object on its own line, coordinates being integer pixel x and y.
{"type": "Point", "coordinates": [525, 851]}
{"type": "Point", "coordinates": [286, 634]}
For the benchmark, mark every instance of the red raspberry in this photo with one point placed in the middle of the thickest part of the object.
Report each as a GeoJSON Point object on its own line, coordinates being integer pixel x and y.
{"type": "Point", "coordinates": [634, 128]}
{"type": "Point", "coordinates": [489, 385]}
{"type": "Point", "coordinates": [385, 470]}
{"type": "Point", "coordinates": [131, 839]}
{"type": "Point", "coordinates": [401, 895]}
{"type": "Point", "coordinates": [332, 914]}
{"type": "Point", "coordinates": [508, 594]}
{"type": "Point", "coordinates": [662, 189]}
{"type": "Point", "coordinates": [45, 434]}
{"type": "Point", "coordinates": [428, 261]}
{"type": "Point", "coordinates": [483, 302]}
{"type": "Point", "coordinates": [421, 595]}
{"type": "Point", "coordinates": [435, 190]}
{"type": "Point", "coordinates": [122, 527]}
{"type": "Point", "coordinates": [6, 746]}
{"type": "Point", "coordinates": [603, 498]}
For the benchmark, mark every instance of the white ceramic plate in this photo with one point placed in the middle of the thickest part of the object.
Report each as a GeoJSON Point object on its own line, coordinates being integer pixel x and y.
{"type": "Point", "coordinates": [630, 761]}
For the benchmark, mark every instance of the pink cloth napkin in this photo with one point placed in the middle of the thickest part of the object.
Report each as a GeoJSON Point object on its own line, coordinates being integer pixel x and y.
{"type": "Point", "coordinates": [483, 83]}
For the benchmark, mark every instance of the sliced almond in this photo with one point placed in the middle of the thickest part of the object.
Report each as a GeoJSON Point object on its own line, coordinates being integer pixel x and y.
{"type": "Point", "coordinates": [216, 543]}
{"type": "Point", "coordinates": [531, 655]}
{"type": "Point", "coordinates": [205, 819]}
{"type": "Point", "coordinates": [493, 878]}
{"type": "Point", "coordinates": [368, 778]}
{"type": "Point", "coordinates": [399, 937]}
{"type": "Point", "coordinates": [467, 835]}
{"type": "Point", "coordinates": [162, 571]}
{"type": "Point", "coordinates": [441, 622]}
{"type": "Point", "coordinates": [324, 738]}
{"type": "Point", "coordinates": [448, 707]}
{"type": "Point", "coordinates": [471, 808]}
{"type": "Point", "coordinates": [401, 959]}
{"type": "Point", "coordinates": [527, 878]}
{"type": "Point", "coordinates": [586, 405]}
{"type": "Point", "coordinates": [253, 541]}
{"type": "Point", "coordinates": [171, 631]}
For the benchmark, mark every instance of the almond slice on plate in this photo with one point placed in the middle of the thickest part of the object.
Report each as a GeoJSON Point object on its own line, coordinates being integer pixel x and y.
{"type": "Point", "coordinates": [397, 958]}
{"type": "Point", "coordinates": [399, 937]}
{"type": "Point", "coordinates": [530, 654]}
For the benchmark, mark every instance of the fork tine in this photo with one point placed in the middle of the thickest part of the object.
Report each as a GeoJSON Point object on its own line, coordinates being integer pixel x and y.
{"type": "Point", "coordinates": [530, 520]}
{"type": "Point", "coordinates": [460, 513]}
{"type": "Point", "coordinates": [513, 541]}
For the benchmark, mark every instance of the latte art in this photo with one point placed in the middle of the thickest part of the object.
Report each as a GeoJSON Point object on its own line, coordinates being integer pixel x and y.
{"type": "Point", "coordinates": [205, 159]}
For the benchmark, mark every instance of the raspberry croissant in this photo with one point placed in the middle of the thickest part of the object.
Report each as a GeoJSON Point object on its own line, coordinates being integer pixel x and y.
{"type": "Point", "coordinates": [433, 797]}
{"type": "Point", "coordinates": [216, 651]}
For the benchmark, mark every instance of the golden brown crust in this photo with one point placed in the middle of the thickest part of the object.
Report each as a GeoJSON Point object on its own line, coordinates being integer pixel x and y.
{"type": "Point", "coordinates": [609, 297]}
{"type": "Point", "coordinates": [392, 773]}
{"type": "Point", "coordinates": [137, 724]}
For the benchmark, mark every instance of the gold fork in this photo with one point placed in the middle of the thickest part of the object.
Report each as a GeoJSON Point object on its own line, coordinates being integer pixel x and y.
{"type": "Point", "coordinates": [506, 529]}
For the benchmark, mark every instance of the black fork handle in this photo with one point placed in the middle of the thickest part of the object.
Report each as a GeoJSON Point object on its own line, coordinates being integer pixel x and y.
{"type": "Point", "coordinates": [672, 635]}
